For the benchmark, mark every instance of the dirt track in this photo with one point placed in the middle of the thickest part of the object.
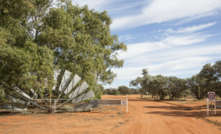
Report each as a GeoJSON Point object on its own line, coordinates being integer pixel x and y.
{"type": "Point", "coordinates": [144, 117]}
{"type": "Point", "coordinates": [151, 117]}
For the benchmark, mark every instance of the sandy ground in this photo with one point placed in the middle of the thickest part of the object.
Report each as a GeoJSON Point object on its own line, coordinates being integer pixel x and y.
{"type": "Point", "coordinates": [145, 117]}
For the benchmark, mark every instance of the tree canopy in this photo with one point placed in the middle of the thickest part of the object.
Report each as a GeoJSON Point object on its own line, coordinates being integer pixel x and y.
{"type": "Point", "coordinates": [123, 90]}
{"type": "Point", "coordinates": [37, 36]}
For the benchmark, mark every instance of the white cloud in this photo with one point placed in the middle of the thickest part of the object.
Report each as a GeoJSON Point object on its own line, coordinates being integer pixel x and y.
{"type": "Point", "coordinates": [112, 6]}
{"type": "Point", "coordinates": [91, 4]}
{"type": "Point", "coordinates": [98, 5]}
{"type": "Point", "coordinates": [125, 37]}
{"type": "Point", "coordinates": [140, 48]}
{"type": "Point", "coordinates": [184, 40]}
{"type": "Point", "coordinates": [179, 64]}
{"type": "Point", "coordinates": [170, 55]}
{"type": "Point", "coordinates": [125, 6]}
{"type": "Point", "coordinates": [191, 18]}
{"type": "Point", "coordinates": [175, 64]}
{"type": "Point", "coordinates": [187, 37]}
{"type": "Point", "coordinates": [166, 10]}
{"type": "Point", "coordinates": [170, 41]}
{"type": "Point", "coordinates": [173, 54]}
{"type": "Point", "coordinates": [191, 29]}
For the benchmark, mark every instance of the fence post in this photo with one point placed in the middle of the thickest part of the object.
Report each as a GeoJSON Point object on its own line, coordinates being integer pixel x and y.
{"type": "Point", "coordinates": [212, 107]}
{"type": "Point", "coordinates": [207, 107]}
{"type": "Point", "coordinates": [215, 106]}
{"type": "Point", "coordinates": [127, 105]}
{"type": "Point", "coordinates": [121, 106]}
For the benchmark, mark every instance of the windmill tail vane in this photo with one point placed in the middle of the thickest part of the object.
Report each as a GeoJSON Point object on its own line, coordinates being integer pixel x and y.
{"type": "Point", "coordinates": [65, 87]}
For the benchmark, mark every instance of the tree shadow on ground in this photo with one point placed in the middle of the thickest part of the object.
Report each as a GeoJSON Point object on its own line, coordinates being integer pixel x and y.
{"type": "Point", "coordinates": [181, 111]}
{"type": "Point", "coordinates": [177, 107]}
{"type": "Point", "coordinates": [158, 100]}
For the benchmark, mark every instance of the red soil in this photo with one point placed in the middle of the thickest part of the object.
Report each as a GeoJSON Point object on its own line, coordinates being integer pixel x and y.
{"type": "Point", "coordinates": [144, 117]}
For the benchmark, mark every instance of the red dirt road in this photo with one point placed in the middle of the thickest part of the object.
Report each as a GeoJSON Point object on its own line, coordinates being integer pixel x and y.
{"type": "Point", "coordinates": [144, 117]}
{"type": "Point", "coordinates": [151, 117]}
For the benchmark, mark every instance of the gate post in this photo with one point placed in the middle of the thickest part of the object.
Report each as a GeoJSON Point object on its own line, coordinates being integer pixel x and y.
{"type": "Point", "coordinates": [207, 107]}
{"type": "Point", "coordinates": [215, 106]}
{"type": "Point", "coordinates": [121, 106]}
{"type": "Point", "coordinates": [127, 105]}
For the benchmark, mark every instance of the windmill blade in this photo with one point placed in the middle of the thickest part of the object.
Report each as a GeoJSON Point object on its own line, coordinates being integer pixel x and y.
{"type": "Point", "coordinates": [78, 90]}
{"type": "Point", "coordinates": [35, 96]}
{"type": "Point", "coordinates": [32, 90]}
{"type": "Point", "coordinates": [14, 99]}
{"type": "Point", "coordinates": [15, 108]}
{"type": "Point", "coordinates": [64, 80]}
{"type": "Point", "coordinates": [46, 83]}
{"type": "Point", "coordinates": [56, 74]}
{"type": "Point", "coordinates": [85, 96]}
{"type": "Point", "coordinates": [21, 92]}
{"type": "Point", "coordinates": [74, 81]}
{"type": "Point", "coordinates": [11, 98]}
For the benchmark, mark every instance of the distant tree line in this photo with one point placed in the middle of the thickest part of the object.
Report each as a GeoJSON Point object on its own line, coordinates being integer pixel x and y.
{"type": "Point", "coordinates": [121, 90]}
{"type": "Point", "coordinates": [208, 79]}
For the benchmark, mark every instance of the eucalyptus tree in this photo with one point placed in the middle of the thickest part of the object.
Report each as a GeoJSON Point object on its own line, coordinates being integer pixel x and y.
{"type": "Point", "coordinates": [217, 67]}
{"type": "Point", "coordinates": [158, 84]}
{"type": "Point", "coordinates": [212, 75]}
{"type": "Point", "coordinates": [197, 86]}
{"type": "Point", "coordinates": [105, 91]}
{"type": "Point", "coordinates": [138, 84]}
{"type": "Point", "coordinates": [145, 83]}
{"type": "Point", "coordinates": [82, 36]}
{"type": "Point", "coordinates": [123, 90]}
{"type": "Point", "coordinates": [115, 92]}
{"type": "Point", "coordinates": [56, 33]}
{"type": "Point", "coordinates": [133, 91]}
{"type": "Point", "coordinates": [22, 61]}
{"type": "Point", "coordinates": [176, 87]}
{"type": "Point", "coordinates": [142, 82]}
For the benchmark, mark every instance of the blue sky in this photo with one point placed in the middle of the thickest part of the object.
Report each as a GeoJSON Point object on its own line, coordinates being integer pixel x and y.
{"type": "Point", "coordinates": [168, 37]}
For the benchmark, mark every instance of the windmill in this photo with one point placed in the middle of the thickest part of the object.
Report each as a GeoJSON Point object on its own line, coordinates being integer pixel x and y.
{"type": "Point", "coordinates": [65, 87]}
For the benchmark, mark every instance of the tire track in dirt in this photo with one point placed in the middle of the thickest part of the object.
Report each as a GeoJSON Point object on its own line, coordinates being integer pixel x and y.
{"type": "Point", "coordinates": [155, 117]}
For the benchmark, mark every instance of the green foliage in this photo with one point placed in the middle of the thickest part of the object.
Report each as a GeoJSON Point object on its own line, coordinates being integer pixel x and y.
{"type": "Point", "coordinates": [104, 92]}
{"type": "Point", "coordinates": [207, 80]}
{"type": "Point", "coordinates": [160, 85]}
{"type": "Point", "coordinates": [123, 90]}
{"type": "Point", "coordinates": [134, 91]}
{"type": "Point", "coordinates": [22, 62]}
{"type": "Point", "coordinates": [114, 92]}
{"type": "Point", "coordinates": [176, 87]}
{"type": "Point", "coordinates": [37, 36]}
{"type": "Point", "coordinates": [197, 86]}
{"type": "Point", "coordinates": [111, 91]}
{"type": "Point", "coordinates": [141, 83]}
{"type": "Point", "coordinates": [138, 84]}
{"type": "Point", "coordinates": [98, 91]}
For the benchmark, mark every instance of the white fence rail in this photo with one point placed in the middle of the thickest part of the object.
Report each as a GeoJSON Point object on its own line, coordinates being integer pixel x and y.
{"type": "Point", "coordinates": [114, 102]}
{"type": "Point", "coordinates": [217, 103]}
